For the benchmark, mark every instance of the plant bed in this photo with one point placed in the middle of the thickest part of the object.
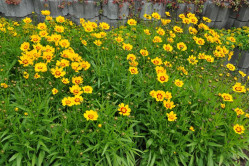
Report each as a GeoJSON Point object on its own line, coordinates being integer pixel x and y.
{"type": "Point", "coordinates": [147, 93]}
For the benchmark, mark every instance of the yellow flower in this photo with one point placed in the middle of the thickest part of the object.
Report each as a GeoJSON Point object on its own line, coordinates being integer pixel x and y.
{"type": "Point", "coordinates": [160, 69]}
{"type": "Point", "coordinates": [84, 42]}
{"type": "Point", "coordinates": [59, 29]}
{"type": "Point", "coordinates": [41, 26]}
{"type": "Point", "coordinates": [48, 18]}
{"type": "Point", "coordinates": [40, 67]}
{"type": "Point", "coordinates": [132, 22]}
{"type": "Point", "coordinates": [200, 41]}
{"type": "Point", "coordinates": [157, 39]}
{"type": "Point", "coordinates": [26, 114]}
{"type": "Point", "coordinates": [87, 89]}
{"type": "Point", "coordinates": [98, 42]}
{"type": "Point", "coordinates": [168, 95]}
{"type": "Point", "coordinates": [168, 104]}
{"type": "Point", "coordinates": [60, 19]}
{"type": "Point", "coordinates": [127, 47]}
{"type": "Point", "coordinates": [36, 76]}
{"type": "Point", "coordinates": [178, 83]}
{"type": "Point", "coordinates": [65, 80]}
{"type": "Point", "coordinates": [162, 77]}
{"type": "Point", "coordinates": [45, 12]}
{"type": "Point", "coordinates": [156, 61]}
{"type": "Point", "coordinates": [239, 111]}
{"type": "Point", "coordinates": [247, 116]}
{"type": "Point", "coordinates": [239, 129]}
{"type": "Point", "coordinates": [64, 43]}
{"type": "Point", "coordinates": [239, 88]}
{"type": "Point", "coordinates": [104, 26]}
{"type": "Point", "coordinates": [178, 29]}
{"type": "Point", "coordinates": [165, 21]}
{"type": "Point", "coordinates": [26, 75]}
{"type": "Point", "coordinates": [25, 46]}
{"type": "Point", "coordinates": [58, 72]}
{"type": "Point", "coordinates": [171, 116]}
{"type": "Point", "coordinates": [68, 101]}
{"type": "Point", "coordinates": [222, 105]}
{"type": "Point", "coordinates": [99, 125]}
{"type": "Point", "coordinates": [133, 70]}
{"type": "Point", "coordinates": [160, 31]}
{"type": "Point", "coordinates": [144, 52]}
{"type": "Point", "coordinates": [156, 16]}
{"type": "Point", "coordinates": [209, 58]}
{"type": "Point", "coordinates": [131, 57]}
{"type": "Point", "coordinates": [63, 63]}
{"type": "Point", "coordinates": [119, 39]}
{"type": "Point", "coordinates": [147, 16]}
{"type": "Point", "coordinates": [90, 115]}
{"type": "Point", "coordinates": [35, 38]}
{"type": "Point", "coordinates": [226, 97]}
{"type": "Point", "coordinates": [192, 60]}
{"type": "Point", "coordinates": [76, 90]}
{"type": "Point", "coordinates": [77, 99]}
{"type": "Point", "coordinates": [159, 95]}
{"type": "Point", "coordinates": [167, 14]}
{"type": "Point", "coordinates": [242, 74]}
{"type": "Point", "coordinates": [54, 91]}
{"type": "Point", "coordinates": [124, 109]}
{"type": "Point", "coordinates": [4, 85]}
{"type": "Point", "coordinates": [147, 32]}
{"type": "Point", "coordinates": [191, 128]}
{"type": "Point", "coordinates": [230, 66]}
{"type": "Point", "coordinates": [27, 20]}
{"type": "Point", "coordinates": [182, 46]}
{"type": "Point", "coordinates": [167, 47]}
{"type": "Point", "coordinates": [77, 80]}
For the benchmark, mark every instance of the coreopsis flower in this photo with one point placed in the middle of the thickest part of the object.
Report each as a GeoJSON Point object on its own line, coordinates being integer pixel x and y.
{"type": "Point", "coordinates": [239, 88]}
{"type": "Point", "coordinates": [127, 47]}
{"type": "Point", "coordinates": [168, 47]}
{"type": "Point", "coordinates": [133, 63]}
{"type": "Point", "coordinates": [85, 65]}
{"type": "Point", "coordinates": [157, 39]}
{"type": "Point", "coordinates": [62, 63]}
{"type": "Point", "coordinates": [25, 61]}
{"type": "Point", "coordinates": [84, 42]}
{"type": "Point", "coordinates": [27, 20]}
{"type": "Point", "coordinates": [76, 66]}
{"type": "Point", "coordinates": [168, 104]}
{"type": "Point", "coordinates": [222, 106]}
{"type": "Point", "coordinates": [156, 16]}
{"type": "Point", "coordinates": [191, 128]}
{"type": "Point", "coordinates": [98, 42]}
{"type": "Point", "coordinates": [119, 39]}
{"type": "Point", "coordinates": [147, 16]}
{"type": "Point", "coordinates": [168, 95]}
{"type": "Point", "coordinates": [167, 14]}
{"type": "Point", "coordinates": [232, 39]}
{"type": "Point", "coordinates": [239, 111]}
{"type": "Point", "coordinates": [48, 56]}
{"type": "Point", "coordinates": [209, 58]}
{"type": "Point", "coordinates": [247, 115]}
{"type": "Point", "coordinates": [192, 60]}
{"type": "Point", "coordinates": [58, 72]}
{"type": "Point", "coordinates": [131, 57]}
{"type": "Point", "coordinates": [77, 99]}
{"type": "Point", "coordinates": [178, 29]}
{"type": "Point", "coordinates": [104, 26]}
{"type": "Point", "coordinates": [41, 26]}
{"type": "Point", "coordinates": [144, 52]}
{"type": "Point", "coordinates": [124, 109]}
{"type": "Point", "coordinates": [178, 83]}
{"type": "Point", "coordinates": [54, 91]}
{"type": "Point", "coordinates": [77, 80]}
{"type": "Point", "coordinates": [206, 19]}
{"type": "Point", "coordinates": [64, 43]}
{"type": "Point", "coordinates": [201, 56]}
{"type": "Point", "coordinates": [170, 40]}
{"type": "Point", "coordinates": [239, 129]}
{"type": "Point", "coordinates": [87, 89]}
{"type": "Point", "coordinates": [26, 75]}
{"type": "Point", "coordinates": [165, 21]}
{"type": "Point", "coordinates": [88, 28]}
{"type": "Point", "coordinates": [36, 76]}
{"type": "Point", "coordinates": [76, 90]}
{"type": "Point", "coordinates": [45, 12]}
{"type": "Point", "coordinates": [159, 95]}
{"type": "Point", "coordinates": [160, 31]}
{"type": "Point", "coordinates": [132, 22]}
{"type": "Point", "coordinates": [147, 32]}
{"type": "Point", "coordinates": [40, 67]}
{"type": "Point", "coordinates": [65, 80]}
{"type": "Point", "coordinates": [68, 101]}
{"type": "Point", "coordinates": [4, 85]}
{"type": "Point", "coordinates": [186, 21]}
{"type": "Point", "coordinates": [160, 69]}
{"type": "Point", "coordinates": [60, 19]}
{"type": "Point", "coordinates": [242, 74]}
{"type": "Point", "coordinates": [226, 97]}
{"type": "Point", "coordinates": [171, 116]}
{"type": "Point", "coordinates": [193, 20]}
{"type": "Point", "coordinates": [181, 46]}
{"type": "Point", "coordinates": [230, 66]}
{"type": "Point", "coordinates": [162, 77]}
{"type": "Point", "coordinates": [156, 61]}
{"type": "Point", "coordinates": [152, 93]}
{"type": "Point", "coordinates": [59, 29]}
{"type": "Point", "coordinates": [43, 33]}
{"type": "Point", "coordinates": [25, 46]}
{"type": "Point", "coordinates": [168, 64]}
{"type": "Point", "coordinates": [133, 70]}
{"type": "Point", "coordinates": [172, 34]}
{"type": "Point", "coordinates": [200, 41]}
{"type": "Point", "coordinates": [48, 18]}
{"type": "Point", "coordinates": [35, 38]}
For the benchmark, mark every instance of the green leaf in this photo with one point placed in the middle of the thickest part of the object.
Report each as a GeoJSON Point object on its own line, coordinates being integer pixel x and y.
{"type": "Point", "coordinates": [221, 159]}
{"type": "Point", "coordinates": [191, 162]}
{"type": "Point", "coordinates": [149, 142]}
{"type": "Point", "coordinates": [105, 148]}
{"type": "Point", "coordinates": [40, 158]}
{"type": "Point", "coordinates": [214, 144]}
{"type": "Point", "coordinates": [13, 157]}
{"type": "Point", "coordinates": [19, 159]}
{"type": "Point", "coordinates": [210, 157]}
{"type": "Point", "coordinates": [33, 160]}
